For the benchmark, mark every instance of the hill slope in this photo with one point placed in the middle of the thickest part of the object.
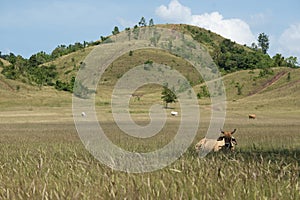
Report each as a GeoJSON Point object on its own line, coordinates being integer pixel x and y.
{"type": "Point", "coordinates": [241, 85]}
{"type": "Point", "coordinates": [5, 63]}
{"type": "Point", "coordinates": [64, 62]}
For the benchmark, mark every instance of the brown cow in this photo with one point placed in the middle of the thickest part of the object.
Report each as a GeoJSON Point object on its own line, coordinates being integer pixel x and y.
{"type": "Point", "coordinates": [224, 142]}
{"type": "Point", "coordinates": [252, 116]}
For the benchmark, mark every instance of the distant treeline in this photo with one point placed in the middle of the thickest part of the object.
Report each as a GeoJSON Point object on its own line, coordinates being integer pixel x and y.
{"type": "Point", "coordinates": [33, 70]}
{"type": "Point", "coordinates": [230, 56]}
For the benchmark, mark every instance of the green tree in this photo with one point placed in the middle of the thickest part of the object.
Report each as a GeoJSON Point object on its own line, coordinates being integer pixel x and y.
{"type": "Point", "coordinates": [291, 61]}
{"type": "Point", "coordinates": [103, 38]}
{"type": "Point", "coordinates": [115, 31]}
{"type": "Point", "coordinates": [20, 64]}
{"type": "Point", "coordinates": [10, 72]}
{"type": "Point", "coordinates": [254, 46]}
{"type": "Point", "coordinates": [263, 42]}
{"type": "Point", "coordinates": [11, 58]}
{"type": "Point", "coordinates": [128, 31]}
{"type": "Point", "coordinates": [39, 58]}
{"type": "Point", "coordinates": [143, 22]}
{"type": "Point", "coordinates": [168, 96]}
{"type": "Point", "coordinates": [58, 51]}
{"type": "Point", "coordinates": [151, 22]}
{"type": "Point", "coordinates": [278, 60]}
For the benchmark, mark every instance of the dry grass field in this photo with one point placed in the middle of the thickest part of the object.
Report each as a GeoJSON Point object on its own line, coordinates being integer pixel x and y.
{"type": "Point", "coordinates": [42, 157]}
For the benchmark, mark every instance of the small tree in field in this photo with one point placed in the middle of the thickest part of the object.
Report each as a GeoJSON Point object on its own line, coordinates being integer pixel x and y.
{"type": "Point", "coordinates": [168, 96]}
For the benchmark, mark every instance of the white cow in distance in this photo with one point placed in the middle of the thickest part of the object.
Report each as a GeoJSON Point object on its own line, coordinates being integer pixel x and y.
{"type": "Point", "coordinates": [174, 113]}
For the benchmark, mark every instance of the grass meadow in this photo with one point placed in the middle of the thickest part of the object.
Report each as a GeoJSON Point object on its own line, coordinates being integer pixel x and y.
{"type": "Point", "coordinates": [42, 157]}
{"type": "Point", "coordinates": [46, 160]}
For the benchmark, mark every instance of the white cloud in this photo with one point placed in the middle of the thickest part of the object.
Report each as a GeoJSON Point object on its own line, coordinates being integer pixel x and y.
{"type": "Point", "coordinates": [234, 29]}
{"type": "Point", "coordinates": [175, 12]}
{"type": "Point", "coordinates": [289, 41]}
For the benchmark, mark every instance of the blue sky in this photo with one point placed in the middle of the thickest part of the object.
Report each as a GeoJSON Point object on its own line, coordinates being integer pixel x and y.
{"type": "Point", "coordinates": [28, 27]}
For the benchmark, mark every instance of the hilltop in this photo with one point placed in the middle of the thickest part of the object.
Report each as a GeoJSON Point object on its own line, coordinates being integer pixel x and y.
{"type": "Point", "coordinates": [58, 68]}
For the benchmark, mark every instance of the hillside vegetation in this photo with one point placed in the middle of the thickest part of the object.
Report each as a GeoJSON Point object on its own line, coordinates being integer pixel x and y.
{"type": "Point", "coordinates": [246, 71]}
{"type": "Point", "coordinates": [59, 68]}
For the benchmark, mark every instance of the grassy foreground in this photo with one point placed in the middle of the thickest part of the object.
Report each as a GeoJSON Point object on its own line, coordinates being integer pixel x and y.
{"type": "Point", "coordinates": [48, 161]}
{"type": "Point", "coordinates": [42, 157]}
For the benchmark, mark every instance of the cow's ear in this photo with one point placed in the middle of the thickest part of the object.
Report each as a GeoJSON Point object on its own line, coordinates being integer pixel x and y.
{"type": "Point", "coordinates": [220, 138]}
{"type": "Point", "coordinates": [233, 131]}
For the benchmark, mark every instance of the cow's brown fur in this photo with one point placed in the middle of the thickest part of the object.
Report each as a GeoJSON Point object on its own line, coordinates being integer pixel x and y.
{"type": "Point", "coordinates": [252, 116]}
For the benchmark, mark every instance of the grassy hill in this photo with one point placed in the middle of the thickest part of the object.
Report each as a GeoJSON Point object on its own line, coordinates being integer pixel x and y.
{"type": "Point", "coordinates": [64, 61]}
{"type": "Point", "coordinates": [247, 90]}
{"type": "Point", "coordinates": [271, 92]}
{"type": "Point", "coordinates": [68, 65]}
{"type": "Point", "coordinates": [268, 96]}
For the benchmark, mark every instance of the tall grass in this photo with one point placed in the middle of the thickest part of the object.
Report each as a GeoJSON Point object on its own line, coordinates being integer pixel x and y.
{"type": "Point", "coordinates": [43, 158]}
{"type": "Point", "coordinates": [48, 161]}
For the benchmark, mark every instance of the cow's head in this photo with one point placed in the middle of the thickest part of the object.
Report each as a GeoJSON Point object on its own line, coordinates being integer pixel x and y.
{"type": "Point", "coordinates": [228, 134]}
{"type": "Point", "coordinates": [228, 138]}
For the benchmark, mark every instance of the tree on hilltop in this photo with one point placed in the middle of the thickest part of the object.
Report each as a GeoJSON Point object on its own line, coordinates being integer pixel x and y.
{"type": "Point", "coordinates": [291, 61]}
{"type": "Point", "coordinates": [263, 42]}
{"type": "Point", "coordinates": [278, 60]}
{"type": "Point", "coordinates": [115, 31]}
{"type": "Point", "coordinates": [143, 22]}
{"type": "Point", "coordinates": [151, 22]}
